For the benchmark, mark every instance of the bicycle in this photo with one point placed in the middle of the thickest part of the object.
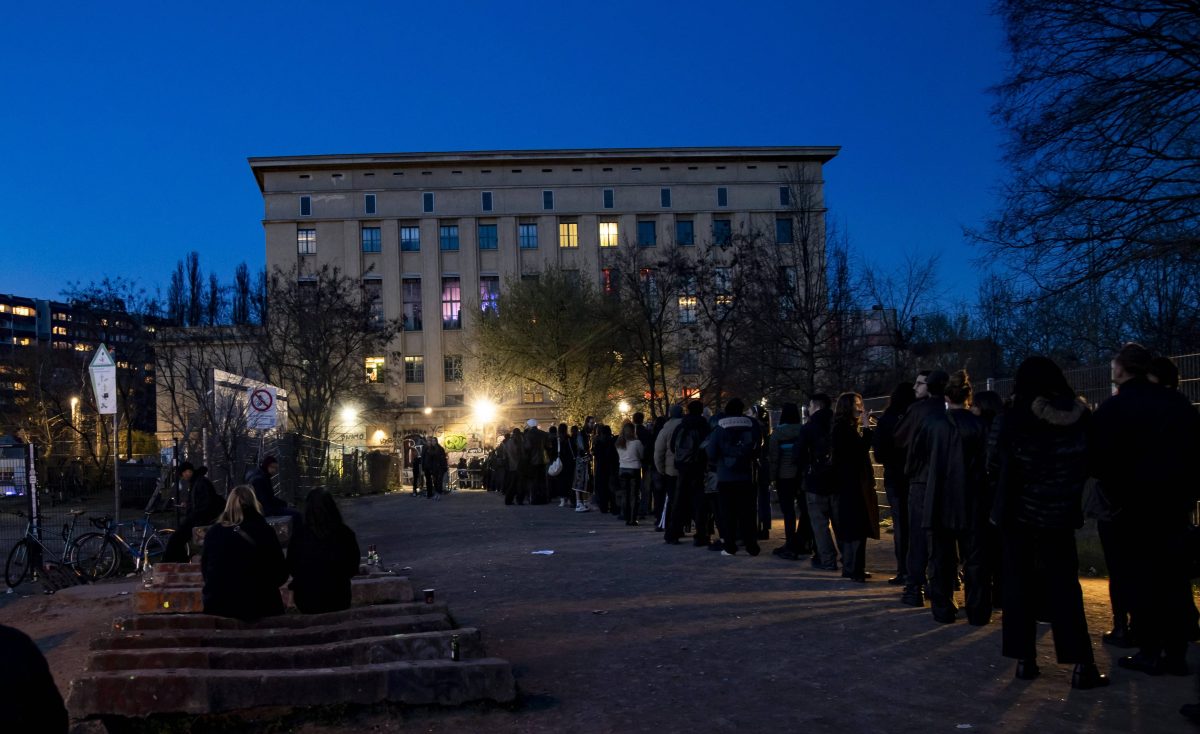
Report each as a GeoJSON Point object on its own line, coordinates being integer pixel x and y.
{"type": "Point", "coordinates": [107, 548]}
{"type": "Point", "coordinates": [27, 556]}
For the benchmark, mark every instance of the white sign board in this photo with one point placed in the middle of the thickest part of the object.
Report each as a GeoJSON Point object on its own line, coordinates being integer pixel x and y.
{"type": "Point", "coordinates": [262, 412]}
{"type": "Point", "coordinates": [104, 381]}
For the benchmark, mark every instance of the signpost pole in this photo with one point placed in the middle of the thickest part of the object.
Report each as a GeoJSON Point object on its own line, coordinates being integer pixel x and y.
{"type": "Point", "coordinates": [103, 372]}
{"type": "Point", "coordinates": [116, 472]}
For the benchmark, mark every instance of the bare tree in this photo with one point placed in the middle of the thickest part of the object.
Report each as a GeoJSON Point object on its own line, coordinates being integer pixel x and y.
{"type": "Point", "coordinates": [195, 290]}
{"type": "Point", "coordinates": [176, 301]}
{"type": "Point", "coordinates": [903, 295]}
{"type": "Point", "coordinates": [241, 296]}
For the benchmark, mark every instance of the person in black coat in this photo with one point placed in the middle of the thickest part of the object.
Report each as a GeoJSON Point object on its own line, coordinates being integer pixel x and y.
{"type": "Point", "coordinates": [1142, 440]}
{"type": "Point", "coordinates": [243, 564]}
{"type": "Point", "coordinates": [856, 514]}
{"type": "Point", "coordinates": [895, 481]}
{"type": "Point", "coordinates": [323, 556]}
{"type": "Point", "coordinates": [435, 464]}
{"type": "Point", "coordinates": [202, 507]}
{"type": "Point", "coordinates": [260, 480]}
{"type": "Point", "coordinates": [1040, 463]}
{"type": "Point", "coordinates": [930, 387]}
{"type": "Point", "coordinates": [819, 488]}
{"type": "Point", "coordinates": [29, 699]}
{"type": "Point", "coordinates": [604, 452]}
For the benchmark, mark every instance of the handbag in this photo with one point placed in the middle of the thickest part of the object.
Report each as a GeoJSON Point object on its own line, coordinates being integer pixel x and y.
{"type": "Point", "coordinates": [555, 467]}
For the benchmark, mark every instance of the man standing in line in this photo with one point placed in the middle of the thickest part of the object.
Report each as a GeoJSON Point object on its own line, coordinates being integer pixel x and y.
{"type": "Point", "coordinates": [435, 463]}
{"type": "Point", "coordinates": [664, 462]}
{"type": "Point", "coordinates": [816, 442]}
{"type": "Point", "coordinates": [513, 451]}
{"type": "Point", "coordinates": [535, 440]}
{"type": "Point", "coordinates": [733, 447]}
{"type": "Point", "coordinates": [647, 481]}
{"type": "Point", "coordinates": [690, 459]}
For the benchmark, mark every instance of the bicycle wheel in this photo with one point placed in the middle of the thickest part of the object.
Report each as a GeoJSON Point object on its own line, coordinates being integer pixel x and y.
{"type": "Point", "coordinates": [95, 556]}
{"type": "Point", "coordinates": [18, 564]}
{"type": "Point", "coordinates": [155, 545]}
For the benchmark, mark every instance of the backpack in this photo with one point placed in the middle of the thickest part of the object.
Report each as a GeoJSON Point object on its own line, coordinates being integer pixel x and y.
{"type": "Point", "coordinates": [686, 445]}
{"type": "Point", "coordinates": [789, 458]}
{"type": "Point", "coordinates": [737, 453]}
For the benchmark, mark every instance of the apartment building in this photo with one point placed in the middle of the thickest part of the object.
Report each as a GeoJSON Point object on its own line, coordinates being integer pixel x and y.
{"type": "Point", "coordinates": [432, 234]}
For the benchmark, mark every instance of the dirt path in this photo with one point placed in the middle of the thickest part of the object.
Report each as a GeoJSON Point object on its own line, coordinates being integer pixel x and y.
{"type": "Point", "coordinates": [618, 631]}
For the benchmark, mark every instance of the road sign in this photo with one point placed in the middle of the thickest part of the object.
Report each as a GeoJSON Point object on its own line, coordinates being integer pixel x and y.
{"type": "Point", "coordinates": [262, 413]}
{"type": "Point", "coordinates": [104, 381]}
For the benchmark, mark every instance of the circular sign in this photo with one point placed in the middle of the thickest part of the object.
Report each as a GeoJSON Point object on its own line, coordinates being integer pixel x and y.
{"type": "Point", "coordinates": [261, 400]}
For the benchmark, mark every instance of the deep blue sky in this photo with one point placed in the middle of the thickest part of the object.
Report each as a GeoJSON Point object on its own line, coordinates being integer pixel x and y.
{"type": "Point", "coordinates": [125, 134]}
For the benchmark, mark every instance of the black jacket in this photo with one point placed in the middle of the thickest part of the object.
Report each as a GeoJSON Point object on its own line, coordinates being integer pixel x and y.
{"type": "Point", "coordinates": [204, 504]}
{"type": "Point", "coordinates": [265, 493]}
{"type": "Point", "coordinates": [887, 453]}
{"type": "Point", "coordinates": [1040, 465]}
{"type": "Point", "coordinates": [957, 481]}
{"type": "Point", "coordinates": [243, 569]}
{"type": "Point", "coordinates": [698, 425]}
{"type": "Point", "coordinates": [29, 699]}
{"type": "Point", "coordinates": [916, 460]}
{"type": "Point", "coordinates": [854, 484]}
{"type": "Point", "coordinates": [817, 450]}
{"type": "Point", "coordinates": [534, 442]}
{"type": "Point", "coordinates": [322, 568]}
{"type": "Point", "coordinates": [434, 459]}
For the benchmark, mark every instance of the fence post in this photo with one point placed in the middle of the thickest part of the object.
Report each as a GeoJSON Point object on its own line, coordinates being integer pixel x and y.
{"type": "Point", "coordinates": [990, 383]}
{"type": "Point", "coordinates": [31, 486]}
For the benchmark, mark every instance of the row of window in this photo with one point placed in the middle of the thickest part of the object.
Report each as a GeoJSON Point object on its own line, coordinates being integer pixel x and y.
{"type": "Point", "coordinates": [452, 367]}
{"type": "Point", "coordinates": [527, 236]}
{"type": "Point", "coordinates": [608, 200]}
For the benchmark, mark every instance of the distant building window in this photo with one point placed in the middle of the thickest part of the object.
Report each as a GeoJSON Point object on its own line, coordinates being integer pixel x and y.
{"type": "Point", "coordinates": [785, 196]}
{"type": "Point", "coordinates": [548, 200]}
{"type": "Point", "coordinates": [452, 367]}
{"type": "Point", "coordinates": [486, 200]}
{"type": "Point", "coordinates": [609, 234]}
{"type": "Point", "coordinates": [451, 303]}
{"type": "Point", "coordinates": [687, 309]}
{"type": "Point", "coordinates": [783, 231]}
{"type": "Point", "coordinates": [306, 241]}
{"type": "Point", "coordinates": [448, 237]}
{"type": "Point", "coordinates": [722, 230]}
{"type": "Point", "coordinates": [689, 362]}
{"type": "Point", "coordinates": [685, 232]}
{"type": "Point", "coordinates": [369, 204]}
{"type": "Point", "coordinates": [489, 292]}
{"type": "Point", "coordinates": [305, 206]}
{"type": "Point", "coordinates": [453, 401]}
{"type": "Point", "coordinates": [664, 196]}
{"type": "Point", "coordinates": [374, 367]}
{"type": "Point", "coordinates": [527, 235]}
{"type": "Point", "coordinates": [370, 239]}
{"type": "Point", "coordinates": [610, 281]}
{"type": "Point", "coordinates": [649, 283]}
{"type": "Point", "coordinates": [410, 239]}
{"type": "Point", "coordinates": [647, 234]}
{"type": "Point", "coordinates": [572, 278]}
{"type": "Point", "coordinates": [414, 369]}
{"type": "Point", "coordinates": [414, 401]}
{"type": "Point", "coordinates": [722, 196]}
{"type": "Point", "coordinates": [410, 295]}
{"type": "Point", "coordinates": [488, 240]}
{"type": "Point", "coordinates": [608, 198]}
{"type": "Point", "coordinates": [568, 234]}
{"type": "Point", "coordinates": [373, 295]}
{"type": "Point", "coordinates": [533, 394]}
{"type": "Point", "coordinates": [58, 330]}
{"type": "Point", "coordinates": [427, 202]}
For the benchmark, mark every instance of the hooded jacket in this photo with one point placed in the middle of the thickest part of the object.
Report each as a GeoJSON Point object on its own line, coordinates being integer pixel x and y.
{"type": "Point", "coordinates": [786, 452]}
{"type": "Point", "coordinates": [733, 446]}
{"type": "Point", "coordinates": [664, 456]}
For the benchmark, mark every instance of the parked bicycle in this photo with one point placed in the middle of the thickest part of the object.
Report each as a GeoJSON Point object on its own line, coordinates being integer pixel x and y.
{"type": "Point", "coordinates": [27, 556]}
{"type": "Point", "coordinates": [106, 549]}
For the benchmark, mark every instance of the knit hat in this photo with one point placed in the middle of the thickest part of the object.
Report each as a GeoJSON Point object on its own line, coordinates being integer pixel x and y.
{"type": "Point", "coordinates": [532, 422]}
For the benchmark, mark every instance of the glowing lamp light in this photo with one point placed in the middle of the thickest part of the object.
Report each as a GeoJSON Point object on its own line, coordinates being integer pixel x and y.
{"type": "Point", "coordinates": [428, 411]}
{"type": "Point", "coordinates": [349, 415]}
{"type": "Point", "coordinates": [378, 436]}
{"type": "Point", "coordinates": [485, 411]}
{"type": "Point", "coordinates": [623, 406]}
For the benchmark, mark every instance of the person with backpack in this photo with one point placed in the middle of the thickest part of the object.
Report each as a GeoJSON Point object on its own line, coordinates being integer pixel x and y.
{"type": "Point", "coordinates": [629, 451]}
{"type": "Point", "coordinates": [786, 465]}
{"type": "Point", "coordinates": [664, 462]}
{"type": "Point", "coordinates": [815, 440]}
{"type": "Point", "coordinates": [733, 448]}
{"type": "Point", "coordinates": [690, 460]}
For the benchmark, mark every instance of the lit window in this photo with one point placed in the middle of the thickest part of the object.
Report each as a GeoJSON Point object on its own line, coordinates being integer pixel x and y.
{"type": "Point", "coordinates": [724, 306]}
{"type": "Point", "coordinates": [448, 237]}
{"type": "Point", "coordinates": [305, 206]}
{"type": "Point", "coordinates": [451, 304]}
{"type": "Point", "coordinates": [410, 292]}
{"type": "Point", "coordinates": [783, 231]}
{"type": "Point", "coordinates": [527, 234]}
{"type": "Point", "coordinates": [414, 369]}
{"type": "Point", "coordinates": [4, 308]}
{"type": "Point", "coordinates": [687, 309]}
{"type": "Point", "coordinates": [374, 367]}
{"type": "Point", "coordinates": [371, 241]}
{"type": "Point", "coordinates": [59, 330]}
{"type": "Point", "coordinates": [647, 234]}
{"type": "Point", "coordinates": [410, 239]}
{"type": "Point", "coordinates": [608, 234]}
{"type": "Point", "coordinates": [26, 311]}
{"type": "Point", "coordinates": [452, 367]}
{"type": "Point", "coordinates": [306, 241]}
{"type": "Point", "coordinates": [568, 234]}
{"type": "Point", "coordinates": [369, 203]}
{"type": "Point", "coordinates": [21, 341]}
{"type": "Point", "coordinates": [488, 239]}
{"type": "Point", "coordinates": [489, 292]}
{"type": "Point", "coordinates": [533, 394]}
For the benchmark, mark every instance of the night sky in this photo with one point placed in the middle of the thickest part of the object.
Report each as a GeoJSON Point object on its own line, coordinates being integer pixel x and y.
{"type": "Point", "coordinates": [126, 129]}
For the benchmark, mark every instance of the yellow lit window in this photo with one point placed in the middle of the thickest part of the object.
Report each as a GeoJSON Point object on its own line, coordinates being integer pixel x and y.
{"type": "Point", "coordinates": [374, 367]}
{"type": "Point", "coordinates": [687, 309]}
{"type": "Point", "coordinates": [21, 341]}
{"type": "Point", "coordinates": [22, 311]}
{"type": "Point", "coordinates": [608, 234]}
{"type": "Point", "coordinates": [568, 234]}
{"type": "Point", "coordinates": [4, 308]}
{"type": "Point", "coordinates": [59, 330]}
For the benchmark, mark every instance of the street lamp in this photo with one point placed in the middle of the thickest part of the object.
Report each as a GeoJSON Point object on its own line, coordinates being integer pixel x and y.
{"type": "Point", "coordinates": [349, 416]}
{"type": "Point", "coordinates": [623, 407]}
{"type": "Point", "coordinates": [485, 411]}
{"type": "Point", "coordinates": [428, 410]}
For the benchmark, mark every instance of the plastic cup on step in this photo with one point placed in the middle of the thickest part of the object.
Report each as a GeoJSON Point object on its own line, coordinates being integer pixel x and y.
{"type": "Point", "coordinates": [429, 596]}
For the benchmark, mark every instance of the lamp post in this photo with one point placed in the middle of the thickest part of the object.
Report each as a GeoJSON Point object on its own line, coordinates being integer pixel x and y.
{"type": "Point", "coordinates": [623, 407]}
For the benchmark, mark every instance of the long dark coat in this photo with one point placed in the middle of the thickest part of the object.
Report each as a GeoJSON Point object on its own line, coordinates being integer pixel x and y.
{"type": "Point", "coordinates": [322, 568]}
{"type": "Point", "coordinates": [854, 478]}
{"type": "Point", "coordinates": [243, 569]}
{"type": "Point", "coordinates": [956, 481]}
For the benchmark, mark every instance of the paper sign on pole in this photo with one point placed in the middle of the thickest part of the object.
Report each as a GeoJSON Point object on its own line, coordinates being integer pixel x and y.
{"type": "Point", "coordinates": [262, 413]}
{"type": "Point", "coordinates": [103, 371]}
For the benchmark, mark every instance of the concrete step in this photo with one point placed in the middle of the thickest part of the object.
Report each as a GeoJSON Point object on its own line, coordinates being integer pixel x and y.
{"type": "Point", "coordinates": [207, 621]}
{"type": "Point", "coordinates": [362, 651]}
{"type": "Point", "coordinates": [145, 692]}
{"type": "Point", "coordinates": [272, 637]}
{"type": "Point", "coordinates": [364, 590]}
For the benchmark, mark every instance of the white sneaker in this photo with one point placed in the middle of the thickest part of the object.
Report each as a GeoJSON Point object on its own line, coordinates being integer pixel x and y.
{"type": "Point", "coordinates": [562, 502]}
{"type": "Point", "coordinates": [582, 508]}
{"type": "Point", "coordinates": [726, 553]}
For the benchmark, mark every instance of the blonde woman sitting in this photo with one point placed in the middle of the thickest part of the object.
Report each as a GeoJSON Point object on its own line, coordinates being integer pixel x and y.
{"type": "Point", "coordinates": [243, 564]}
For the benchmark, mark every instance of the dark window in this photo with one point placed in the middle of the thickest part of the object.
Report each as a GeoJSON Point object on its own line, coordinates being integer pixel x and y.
{"type": "Point", "coordinates": [448, 237]}
{"type": "Point", "coordinates": [487, 237]}
{"type": "Point", "coordinates": [685, 232]}
{"type": "Point", "coordinates": [547, 199]}
{"type": "Point", "coordinates": [722, 196]}
{"type": "Point", "coordinates": [305, 206]}
{"type": "Point", "coordinates": [486, 196]}
{"type": "Point", "coordinates": [370, 239]}
{"type": "Point", "coordinates": [452, 367]}
{"type": "Point", "coordinates": [373, 294]}
{"type": "Point", "coordinates": [608, 198]}
{"type": "Point", "coordinates": [610, 281]}
{"type": "Point", "coordinates": [647, 234]}
{"type": "Point", "coordinates": [489, 292]}
{"type": "Point", "coordinates": [664, 196]}
{"type": "Point", "coordinates": [722, 231]}
{"type": "Point", "coordinates": [783, 231]}
{"type": "Point", "coordinates": [427, 202]}
{"type": "Point", "coordinates": [414, 369]}
{"type": "Point", "coordinates": [785, 196]}
{"type": "Point", "coordinates": [689, 362]}
{"type": "Point", "coordinates": [410, 295]}
{"type": "Point", "coordinates": [527, 235]}
{"type": "Point", "coordinates": [414, 401]}
{"type": "Point", "coordinates": [369, 204]}
{"type": "Point", "coordinates": [451, 303]}
{"type": "Point", "coordinates": [454, 401]}
{"type": "Point", "coordinates": [410, 239]}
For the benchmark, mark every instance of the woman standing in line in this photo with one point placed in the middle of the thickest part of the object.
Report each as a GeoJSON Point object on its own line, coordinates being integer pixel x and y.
{"type": "Point", "coordinates": [629, 454]}
{"type": "Point", "coordinates": [856, 506]}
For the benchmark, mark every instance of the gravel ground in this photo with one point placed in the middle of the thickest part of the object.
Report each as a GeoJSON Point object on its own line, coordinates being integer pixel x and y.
{"type": "Point", "coordinates": [617, 631]}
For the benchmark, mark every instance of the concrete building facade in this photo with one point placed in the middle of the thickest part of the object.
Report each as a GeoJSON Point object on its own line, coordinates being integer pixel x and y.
{"type": "Point", "coordinates": [432, 234]}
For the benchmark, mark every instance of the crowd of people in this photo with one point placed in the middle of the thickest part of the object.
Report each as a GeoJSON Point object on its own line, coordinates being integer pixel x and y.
{"type": "Point", "coordinates": [985, 496]}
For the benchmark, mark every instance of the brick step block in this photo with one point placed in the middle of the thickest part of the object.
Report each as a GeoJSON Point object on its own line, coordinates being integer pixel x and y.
{"type": "Point", "coordinates": [164, 568]}
{"type": "Point", "coordinates": [282, 525]}
{"type": "Point", "coordinates": [362, 651]}
{"type": "Point", "coordinates": [144, 692]}
{"type": "Point", "coordinates": [168, 600]}
{"type": "Point", "coordinates": [208, 621]}
{"type": "Point", "coordinates": [273, 637]}
{"type": "Point", "coordinates": [364, 590]}
{"type": "Point", "coordinates": [178, 579]}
